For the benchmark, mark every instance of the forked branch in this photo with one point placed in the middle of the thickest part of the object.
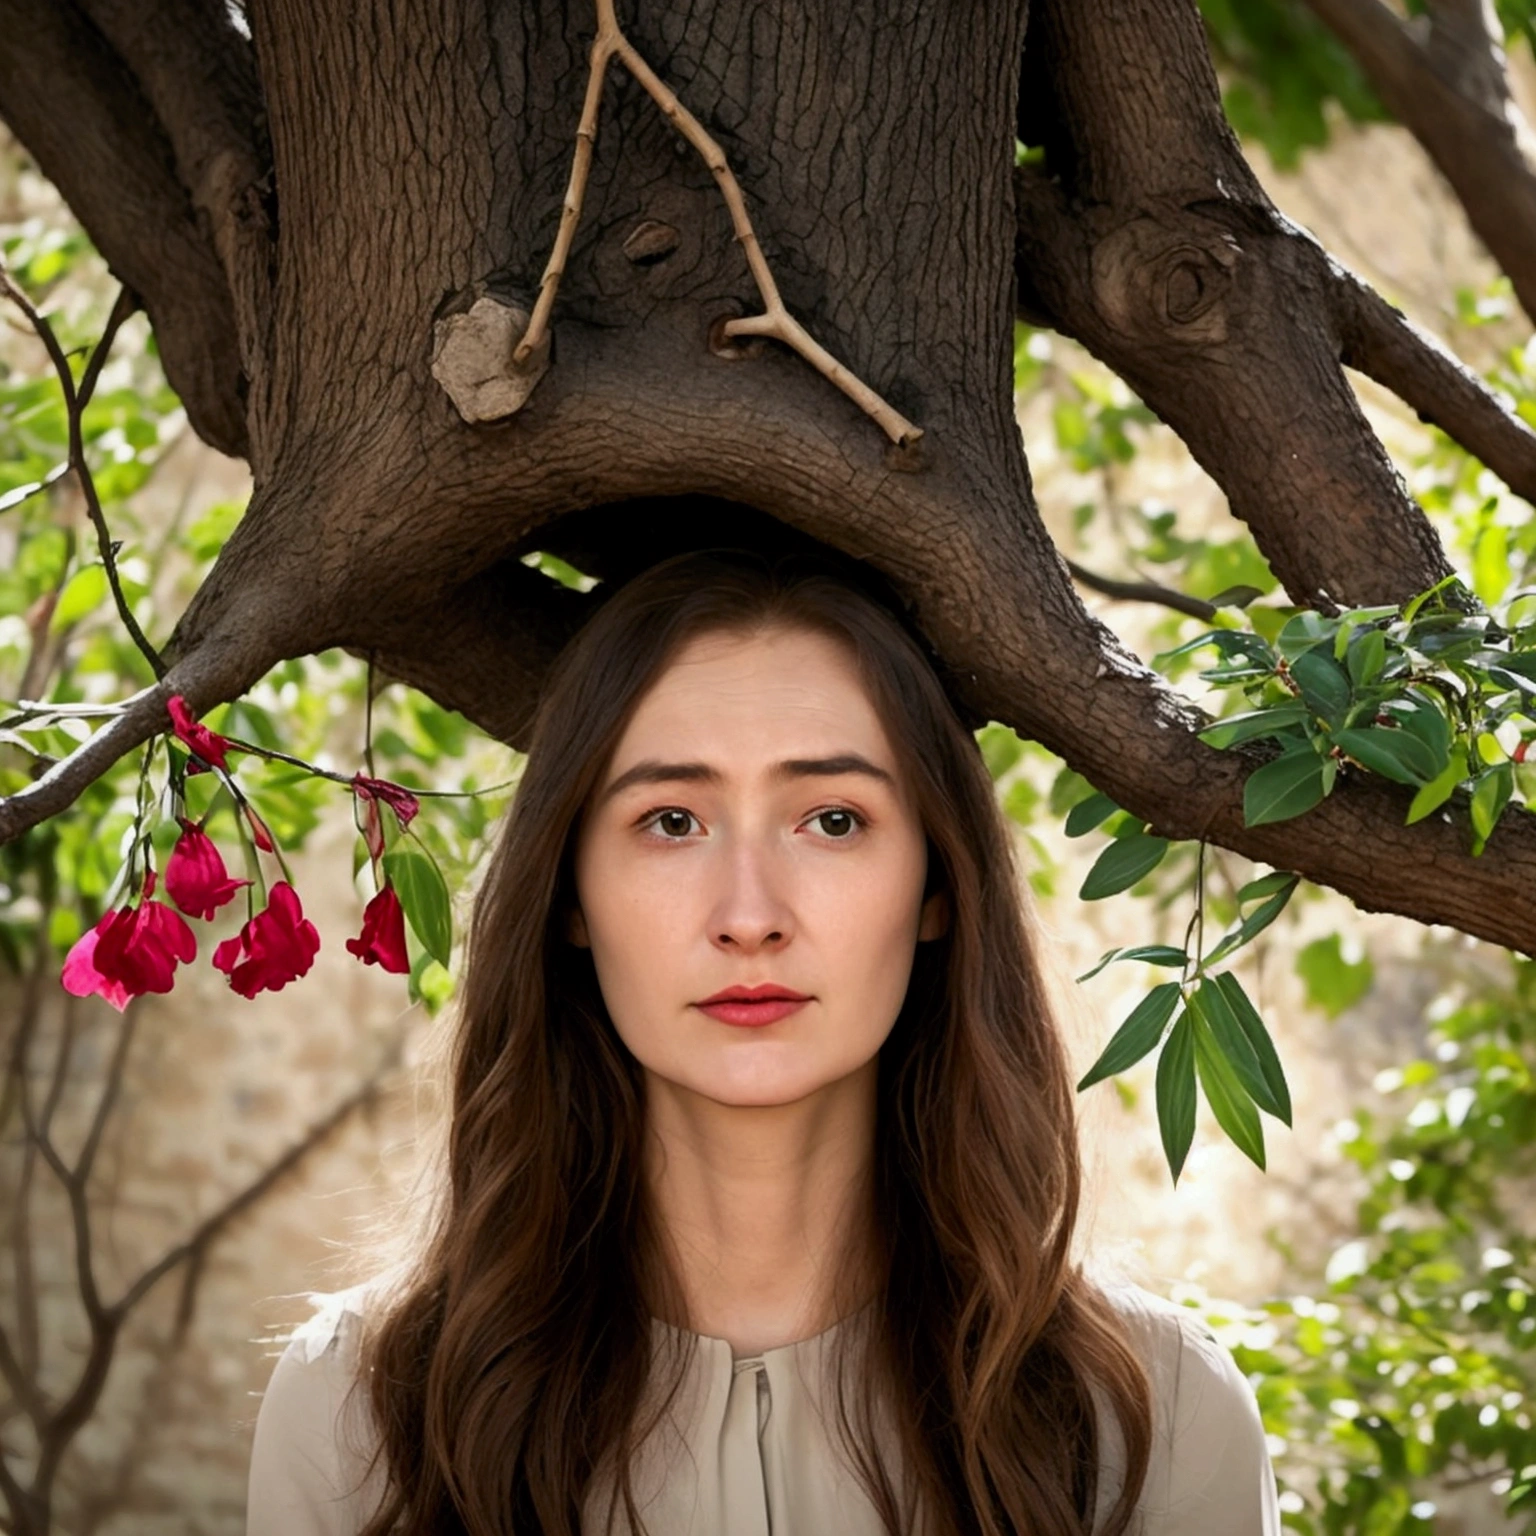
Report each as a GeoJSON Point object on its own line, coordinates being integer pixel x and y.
{"type": "Point", "coordinates": [775, 322]}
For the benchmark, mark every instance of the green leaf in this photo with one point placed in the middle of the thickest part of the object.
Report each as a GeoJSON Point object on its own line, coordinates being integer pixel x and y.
{"type": "Point", "coordinates": [1266, 885]}
{"type": "Point", "coordinates": [1088, 814]}
{"type": "Point", "coordinates": [1412, 610]}
{"type": "Point", "coordinates": [1235, 1111]}
{"type": "Point", "coordinates": [1489, 797]}
{"type": "Point", "coordinates": [1252, 1026]}
{"type": "Point", "coordinates": [1426, 720]}
{"type": "Point", "coordinates": [1148, 954]}
{"type": "Point", "coordinates": [1000, 748]}
{"type": "Point", "coordinates": [1120, 865]}
{"type": "Point", "coordinates": [1277, 791]}
{"type": "Point", "coordinates": [1440, 788]}
{"type": "Point", "coordinates": [1256, 921]}
{"type": "Point", "coordinates": [1324, 684]}
{"type": "Point", "coordinates": [1394, 753]}
{"type": "Point", "coordinates": [83, 593]}
{"type": "Point", "coordinates": [1140, 1032]}
{"type": "Point", "coordinates": [1253, 724]}
{"type": "Point", "coordinates": [1176, 1094]}
{"type": "Point", "coordinates": [424, 896]}
{"type": "Point", "coordinates": [1209, 1001]}
{"type": "Point", "coordinates": [1366, 657]}
{"type": "Point", "coordinates": [1332, 982]}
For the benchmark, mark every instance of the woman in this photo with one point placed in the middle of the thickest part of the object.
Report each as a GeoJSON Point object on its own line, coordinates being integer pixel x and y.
{"type": "Point", "coordinates": [762, 1172]}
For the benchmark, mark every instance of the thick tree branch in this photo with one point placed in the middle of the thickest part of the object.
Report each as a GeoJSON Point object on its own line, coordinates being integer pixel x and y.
{"type": "Point", "coordinates": [1168, 262]}
{"type": "Point", "coordinates": [485, 648]}
{"type": "Point", "coordinates": [1448, 89]}
{"type": "Point", "coordinates": [81, 114]}
{"type": "Point", "coordinates": [1385, 345]}
{"type": "Point", "coordinates": [198, 72]}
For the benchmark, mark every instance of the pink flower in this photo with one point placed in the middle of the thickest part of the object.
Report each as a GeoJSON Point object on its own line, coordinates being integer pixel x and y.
{"type": "Point", "coordinates": [382, 941]}
{"type": "Point", "coordinates": [275, 947]}
{"type": "Point", "coordinates": [195, 874]}
{"type": "Point", "coordinates": [132, 950]}
{"type": "Point", "coordinates": [202, 742]}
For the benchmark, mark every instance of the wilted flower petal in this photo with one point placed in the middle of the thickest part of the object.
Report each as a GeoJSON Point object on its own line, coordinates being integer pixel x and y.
{"type": "Point", "coordinates": [275, 947]}
{"type": "Point", "coordinates": [132, 950]}
{"type": "Point", "coordinates": [207, 744]}
{"type": "Point", "coordinates": [382, 941]}
{"type": "Point", "coordinates": [195, 874]}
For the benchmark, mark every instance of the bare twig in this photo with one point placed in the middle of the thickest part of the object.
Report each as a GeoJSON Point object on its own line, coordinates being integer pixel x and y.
{"type": "Point", "coordinates": [76, 398]}
{"type": "Point", "coordinates": [775, 321]}
{"type": "Point", "coordinates": [1142, 592]}
{"type": "Point", "coordinates": [196, 1244]}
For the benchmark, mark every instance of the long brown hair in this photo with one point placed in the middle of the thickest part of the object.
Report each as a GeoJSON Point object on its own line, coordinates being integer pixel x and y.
{"type": "Point", "coordinates": [512, 1366]}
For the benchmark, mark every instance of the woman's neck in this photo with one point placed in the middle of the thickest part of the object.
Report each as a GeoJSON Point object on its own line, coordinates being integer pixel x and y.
{"type": "Point", "coordinates": [767, 1212]}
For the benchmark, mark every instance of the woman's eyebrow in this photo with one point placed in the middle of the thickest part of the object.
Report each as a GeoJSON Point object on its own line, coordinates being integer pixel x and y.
{"type": "Point", "coordinates": [652, 771]}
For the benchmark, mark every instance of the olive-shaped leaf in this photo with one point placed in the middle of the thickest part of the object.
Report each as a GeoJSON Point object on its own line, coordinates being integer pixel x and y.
{"type": "Point", "coordinates": [1440, 788]}
{"type": "Point", "coordinates": [1293, 783]}
{"type": "Point", "coordinates": [1258, 1037]}
{"type": "Point", "coordinates": [1210, 1002]}
{"type": "Point", "coordinates": [1121, 864]}
{"type": "Point", "coordinates": [1234, 1110]}
{"type": "Point", "coordinates": [1324, 684]}
{"type": "Point", "coordinates": [1395, 754]}
{"type": "Point", "coordinates": [1176, 1094]}
{"type": "Point", "coordinates": [1253, 725]}
{"type": "Point", "coordinates": [1088, 814]}
{"type": "Point", "coordinates": [1140, 1032]}
{"type": "Point", "coordinates": [1149, 954]}
{"type": "Point", "coordinates": [424, 897]}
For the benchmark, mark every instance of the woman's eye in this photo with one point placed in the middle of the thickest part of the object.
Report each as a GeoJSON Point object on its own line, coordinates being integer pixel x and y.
{"type": "Point", "coordinates": [837, 823]}
{"type": "Point", "coordinates": [673, 823]}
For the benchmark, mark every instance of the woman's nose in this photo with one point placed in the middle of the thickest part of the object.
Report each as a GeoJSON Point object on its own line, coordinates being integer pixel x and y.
{"type": "Point", "coordinates": [751, 909]}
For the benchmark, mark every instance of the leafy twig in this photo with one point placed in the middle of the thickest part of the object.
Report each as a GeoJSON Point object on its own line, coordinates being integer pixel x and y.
{"type": "Point", "coordinates": [76, 398]}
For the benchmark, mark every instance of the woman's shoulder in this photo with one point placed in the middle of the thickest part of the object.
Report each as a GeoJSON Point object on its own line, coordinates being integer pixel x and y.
{"type": "Point", "coordinates": [312, 1459]}
{"type": "Point", "coordinates": [1209, 1470]}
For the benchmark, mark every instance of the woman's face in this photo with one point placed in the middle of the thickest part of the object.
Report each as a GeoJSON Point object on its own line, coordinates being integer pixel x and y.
{"type": "Point", "coordinates": [754, 828]}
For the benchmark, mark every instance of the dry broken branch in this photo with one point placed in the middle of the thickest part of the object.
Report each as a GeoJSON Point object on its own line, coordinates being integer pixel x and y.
{"type": "Point", "coordinates": [775, 321]}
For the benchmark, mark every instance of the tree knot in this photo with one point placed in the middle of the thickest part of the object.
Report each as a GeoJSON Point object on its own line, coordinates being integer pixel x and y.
{"type": "Point", "coordinates": [1162, 282]}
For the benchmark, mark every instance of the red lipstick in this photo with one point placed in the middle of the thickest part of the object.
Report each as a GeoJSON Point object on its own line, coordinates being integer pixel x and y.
{"type": "Point", "coordinates": [751, 1006]}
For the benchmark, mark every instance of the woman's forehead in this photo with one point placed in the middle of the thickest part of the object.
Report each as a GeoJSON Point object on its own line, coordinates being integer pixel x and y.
{"type": "Point", "coordinates": [747, 703]}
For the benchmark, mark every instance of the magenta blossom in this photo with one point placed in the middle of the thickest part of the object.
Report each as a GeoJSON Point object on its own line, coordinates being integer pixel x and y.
{"type": "Point", "coordinates": [275, 947]}
{"type": "Point", "coordinates": [382, 941]}
{"type": "Point", "coordinates": [132, 950]}
{"type": "Point", "coordinates": [203, 743]}
{"type": "Point", "coordinates": [195, 875]}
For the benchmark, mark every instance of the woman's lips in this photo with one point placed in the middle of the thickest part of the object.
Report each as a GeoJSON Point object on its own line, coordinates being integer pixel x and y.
{"type": "Point", "coordinates": [750, 1014]}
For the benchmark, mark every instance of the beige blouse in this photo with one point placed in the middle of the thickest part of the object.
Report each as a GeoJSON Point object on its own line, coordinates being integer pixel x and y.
{"type": "Point", "coordinates": [744, 1451]}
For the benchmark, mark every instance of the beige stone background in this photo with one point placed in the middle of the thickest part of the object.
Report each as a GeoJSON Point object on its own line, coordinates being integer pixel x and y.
{"type": "Point", "coordinates": [218, 1088]}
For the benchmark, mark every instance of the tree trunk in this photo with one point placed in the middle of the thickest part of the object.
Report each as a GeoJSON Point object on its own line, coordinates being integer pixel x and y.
{"type": "Point", "coordinates": [403, 184]}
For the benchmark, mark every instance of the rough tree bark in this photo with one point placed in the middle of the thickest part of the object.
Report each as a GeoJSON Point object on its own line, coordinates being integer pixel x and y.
{"type": "Point", "coordinates": [405, 169]}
